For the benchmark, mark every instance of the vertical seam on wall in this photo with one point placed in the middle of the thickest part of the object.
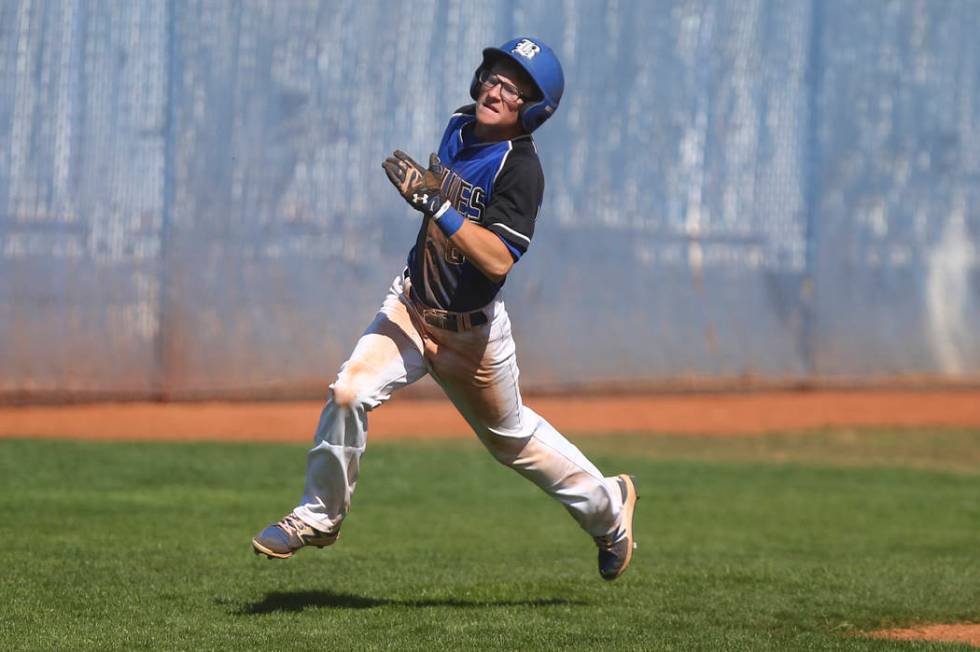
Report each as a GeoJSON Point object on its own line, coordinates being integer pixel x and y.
{"type": "Point", "coordinates": [162, 348]}
{"type": "Point", "coordinates": [808, 292]}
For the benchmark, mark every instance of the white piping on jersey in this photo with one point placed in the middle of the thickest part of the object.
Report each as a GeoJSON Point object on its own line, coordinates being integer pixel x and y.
{"type": "Point", "coordinates": [510, 148]}
{"type": "Point", "coordinates": [512, 232]}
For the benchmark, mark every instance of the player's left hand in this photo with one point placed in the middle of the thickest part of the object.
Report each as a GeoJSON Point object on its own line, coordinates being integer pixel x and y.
{"type": "Point", "coordinates": [421, 187]}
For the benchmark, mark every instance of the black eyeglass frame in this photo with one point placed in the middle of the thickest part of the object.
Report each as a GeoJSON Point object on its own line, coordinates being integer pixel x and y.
{"type": "Point", "coordinates": [484, 78]}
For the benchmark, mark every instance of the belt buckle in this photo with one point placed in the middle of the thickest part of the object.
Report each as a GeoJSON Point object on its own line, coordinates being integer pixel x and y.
{"type": "Point", "coordinates": [454, 321]}
{"type": "Point", "coordinates": [440, 319]}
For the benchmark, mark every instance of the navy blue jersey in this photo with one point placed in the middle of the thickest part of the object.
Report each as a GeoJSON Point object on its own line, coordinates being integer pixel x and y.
{"type": "Point", "coordinates": [496, 185]}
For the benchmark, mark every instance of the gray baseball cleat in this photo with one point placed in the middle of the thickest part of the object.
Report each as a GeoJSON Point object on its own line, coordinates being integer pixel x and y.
{"type": "Point", "coordinates": [616, 548]}
{"type": "Point", "coordinates": [280, 540]}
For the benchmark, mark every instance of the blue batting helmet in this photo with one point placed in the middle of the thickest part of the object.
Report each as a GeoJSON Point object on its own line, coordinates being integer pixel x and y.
{"type": "Point", "coordinates": [541, 64]}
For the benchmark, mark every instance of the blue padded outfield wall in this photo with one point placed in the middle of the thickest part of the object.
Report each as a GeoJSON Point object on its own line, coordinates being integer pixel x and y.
{"type": "Point", "coordinates": [192, 201]}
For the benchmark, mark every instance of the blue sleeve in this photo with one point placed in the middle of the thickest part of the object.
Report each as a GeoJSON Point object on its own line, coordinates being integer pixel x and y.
{"type": "Point", "coordinates": [515, 254]}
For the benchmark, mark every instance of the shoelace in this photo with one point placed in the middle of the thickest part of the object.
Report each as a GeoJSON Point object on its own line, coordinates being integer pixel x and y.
{"type": "Point", "coordinates": [607, 541]}
{"type": "Point", "coordinates": [291, 524]}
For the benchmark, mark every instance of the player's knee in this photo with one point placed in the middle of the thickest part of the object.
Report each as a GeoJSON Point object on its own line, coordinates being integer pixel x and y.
{"type": "Point", "coordinates": [342, 397]}
{"type": "Point", "coordinates": [347, 394]}
{"type": "Point", "coordinates": [349, 389]}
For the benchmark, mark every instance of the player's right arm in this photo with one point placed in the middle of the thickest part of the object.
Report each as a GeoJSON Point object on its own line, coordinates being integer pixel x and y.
{"type": "Point", "coordinates": [482, 247]}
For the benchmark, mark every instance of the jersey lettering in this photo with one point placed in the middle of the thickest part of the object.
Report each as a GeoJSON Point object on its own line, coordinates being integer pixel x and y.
{"type": "Point", "coordinates": [465, 197]}
{"type": "Point", "coordinates": [477, 202]}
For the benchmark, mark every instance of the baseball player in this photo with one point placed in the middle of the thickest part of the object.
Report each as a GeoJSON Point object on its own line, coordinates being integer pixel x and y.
{"type": "Point", "coordinates": [445, 316]}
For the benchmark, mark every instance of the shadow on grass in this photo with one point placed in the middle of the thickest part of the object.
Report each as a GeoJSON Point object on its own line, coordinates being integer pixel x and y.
{"type": "Point", "coordinates": [278, 601]}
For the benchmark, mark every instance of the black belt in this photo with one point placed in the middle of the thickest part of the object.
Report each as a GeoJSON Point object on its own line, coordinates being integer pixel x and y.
{"type": "Point", "coordinates": [453, 321]}
{"type": "Point", "coordinates": [445, 319]}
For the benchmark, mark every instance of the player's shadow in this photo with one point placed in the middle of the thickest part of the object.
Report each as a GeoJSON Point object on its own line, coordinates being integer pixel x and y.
{"type": "Point", "coordinates": [293, 601]}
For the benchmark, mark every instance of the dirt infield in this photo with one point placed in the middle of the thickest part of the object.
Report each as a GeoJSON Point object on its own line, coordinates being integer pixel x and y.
{"type": "Point", "coordinates": [965, 633]}
{"type": "Point", "coordinates": [716, 414]}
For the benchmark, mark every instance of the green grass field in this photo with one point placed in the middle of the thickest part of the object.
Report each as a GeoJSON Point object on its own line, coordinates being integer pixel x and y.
{"type": "Point", "coordinates": [785, 542]}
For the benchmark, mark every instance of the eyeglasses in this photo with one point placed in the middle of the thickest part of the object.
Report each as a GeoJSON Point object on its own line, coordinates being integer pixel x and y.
{"type": "Point", "coordinates": [508, 92]}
